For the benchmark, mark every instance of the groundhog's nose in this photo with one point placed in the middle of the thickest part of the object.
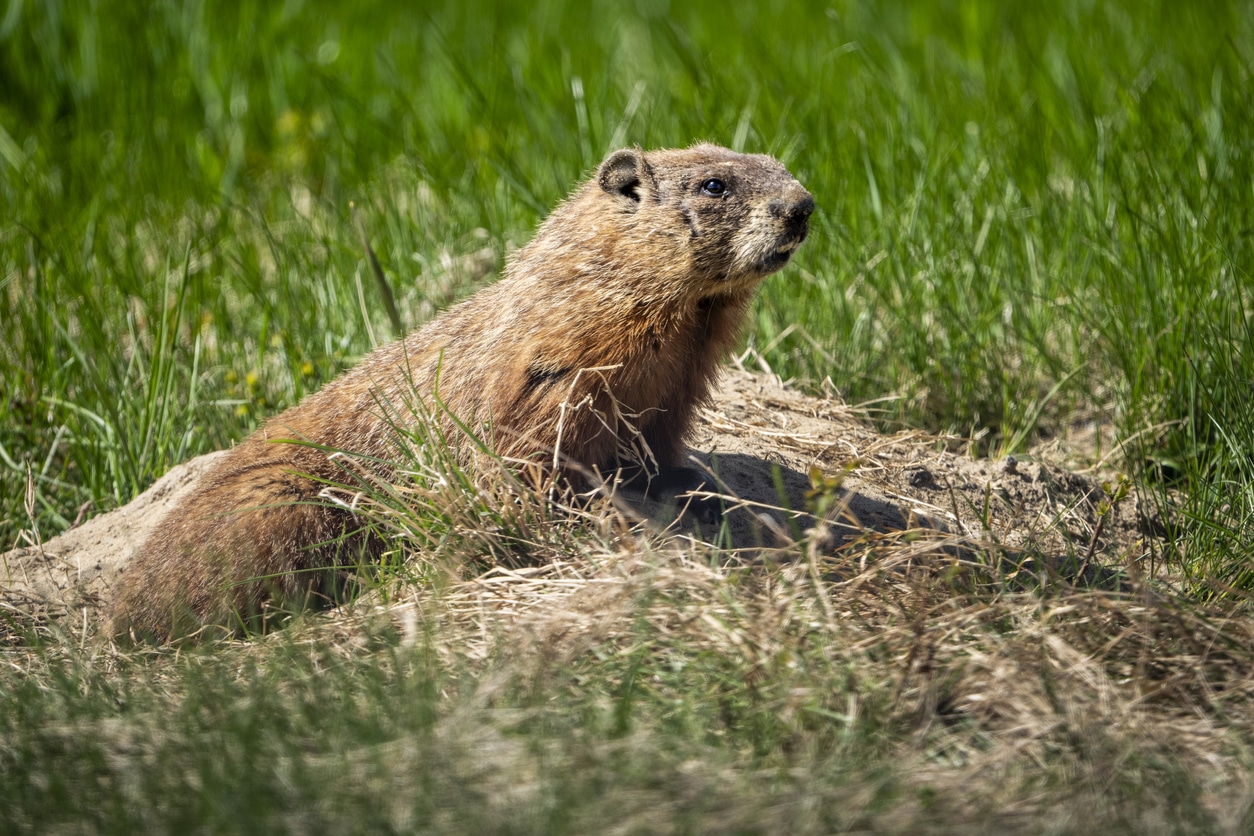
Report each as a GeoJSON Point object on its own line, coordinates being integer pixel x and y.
{"type": "Point", "coordinates": [794, 211]}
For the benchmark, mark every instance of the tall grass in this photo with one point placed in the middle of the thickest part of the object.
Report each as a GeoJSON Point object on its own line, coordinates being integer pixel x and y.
{"type": "Point", "coordinates": [1031, 217]}
{"type": "Point", "coordinates": [1026, 214]}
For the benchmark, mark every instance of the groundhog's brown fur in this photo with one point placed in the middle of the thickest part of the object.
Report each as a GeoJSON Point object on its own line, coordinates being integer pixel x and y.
{"type": "Point", "coordinates": [643, 274]}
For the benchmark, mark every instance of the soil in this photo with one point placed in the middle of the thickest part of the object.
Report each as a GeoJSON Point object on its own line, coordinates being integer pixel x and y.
{"type": "Point", "coordinates": [778, 455]}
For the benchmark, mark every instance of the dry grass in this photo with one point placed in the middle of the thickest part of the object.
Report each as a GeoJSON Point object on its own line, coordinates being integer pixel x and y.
{"type": "Point", "coordinates": [1000, 699]}
{"type": "Point", "coordinates": [571, 669]}
{"type": "Point", "coordinates": [527, 660]}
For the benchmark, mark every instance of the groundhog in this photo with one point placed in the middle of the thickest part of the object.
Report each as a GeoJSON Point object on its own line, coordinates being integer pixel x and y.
{"type": "Point", "coordinates": [605, 333]}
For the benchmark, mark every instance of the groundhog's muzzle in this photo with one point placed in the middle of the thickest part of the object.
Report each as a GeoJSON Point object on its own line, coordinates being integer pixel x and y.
{"type": "Point", "coordinates": [791, 214]}
{"type": "Point", "coordinates": [795, 215]}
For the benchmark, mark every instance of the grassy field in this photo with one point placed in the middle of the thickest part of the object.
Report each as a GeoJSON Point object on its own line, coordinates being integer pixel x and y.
{"type": "Point", "coordinates": [1032, 218]}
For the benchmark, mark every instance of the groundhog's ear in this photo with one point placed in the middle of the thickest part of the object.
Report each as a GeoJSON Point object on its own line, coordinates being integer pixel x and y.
{"type": "Point", "coordinates": [623, 174]}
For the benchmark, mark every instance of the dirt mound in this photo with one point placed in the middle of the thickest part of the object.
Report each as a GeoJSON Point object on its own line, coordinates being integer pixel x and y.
{"type": "Point", "coordinates": [788, 463]}
{"type": "Point", "coordinates": [773, 445]}
{"type": "Point", "coordinates": [74, 573]}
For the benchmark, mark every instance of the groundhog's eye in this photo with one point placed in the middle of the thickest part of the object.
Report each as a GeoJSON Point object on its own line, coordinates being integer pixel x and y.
{"type": "Point", "coordinates": [714, 187]}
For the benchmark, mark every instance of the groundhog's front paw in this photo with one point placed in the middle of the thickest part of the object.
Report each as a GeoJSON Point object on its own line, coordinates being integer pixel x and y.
{"type": "Point", "coordinates": [671, 484]}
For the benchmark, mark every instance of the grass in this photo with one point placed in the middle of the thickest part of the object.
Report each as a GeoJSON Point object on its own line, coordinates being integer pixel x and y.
{"type": "Point", "coordinates": [1032, 218]}
{"type": "Point", "coordinates": [659, 693]}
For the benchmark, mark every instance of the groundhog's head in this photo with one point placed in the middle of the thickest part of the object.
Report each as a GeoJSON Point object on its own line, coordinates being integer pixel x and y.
{"type": "Point", "coordinates": [729, 218]}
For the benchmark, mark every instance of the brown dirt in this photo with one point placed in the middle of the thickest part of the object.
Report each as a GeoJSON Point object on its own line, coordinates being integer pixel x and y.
{"type": "Point", "coordinates": [763, 435]}
{"type": "Point", "coordinates": [766, 443]}
{"type": "Point", "coordinates": [74, 574]}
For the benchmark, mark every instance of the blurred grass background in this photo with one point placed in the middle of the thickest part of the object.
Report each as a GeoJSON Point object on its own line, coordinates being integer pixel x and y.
{"type": "Point", "coordinates": [1031, 216]}
{"type": "Point", "coordinates": [1034, 219]}
{"type": "Point", "coordinates": [1026, 213]}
